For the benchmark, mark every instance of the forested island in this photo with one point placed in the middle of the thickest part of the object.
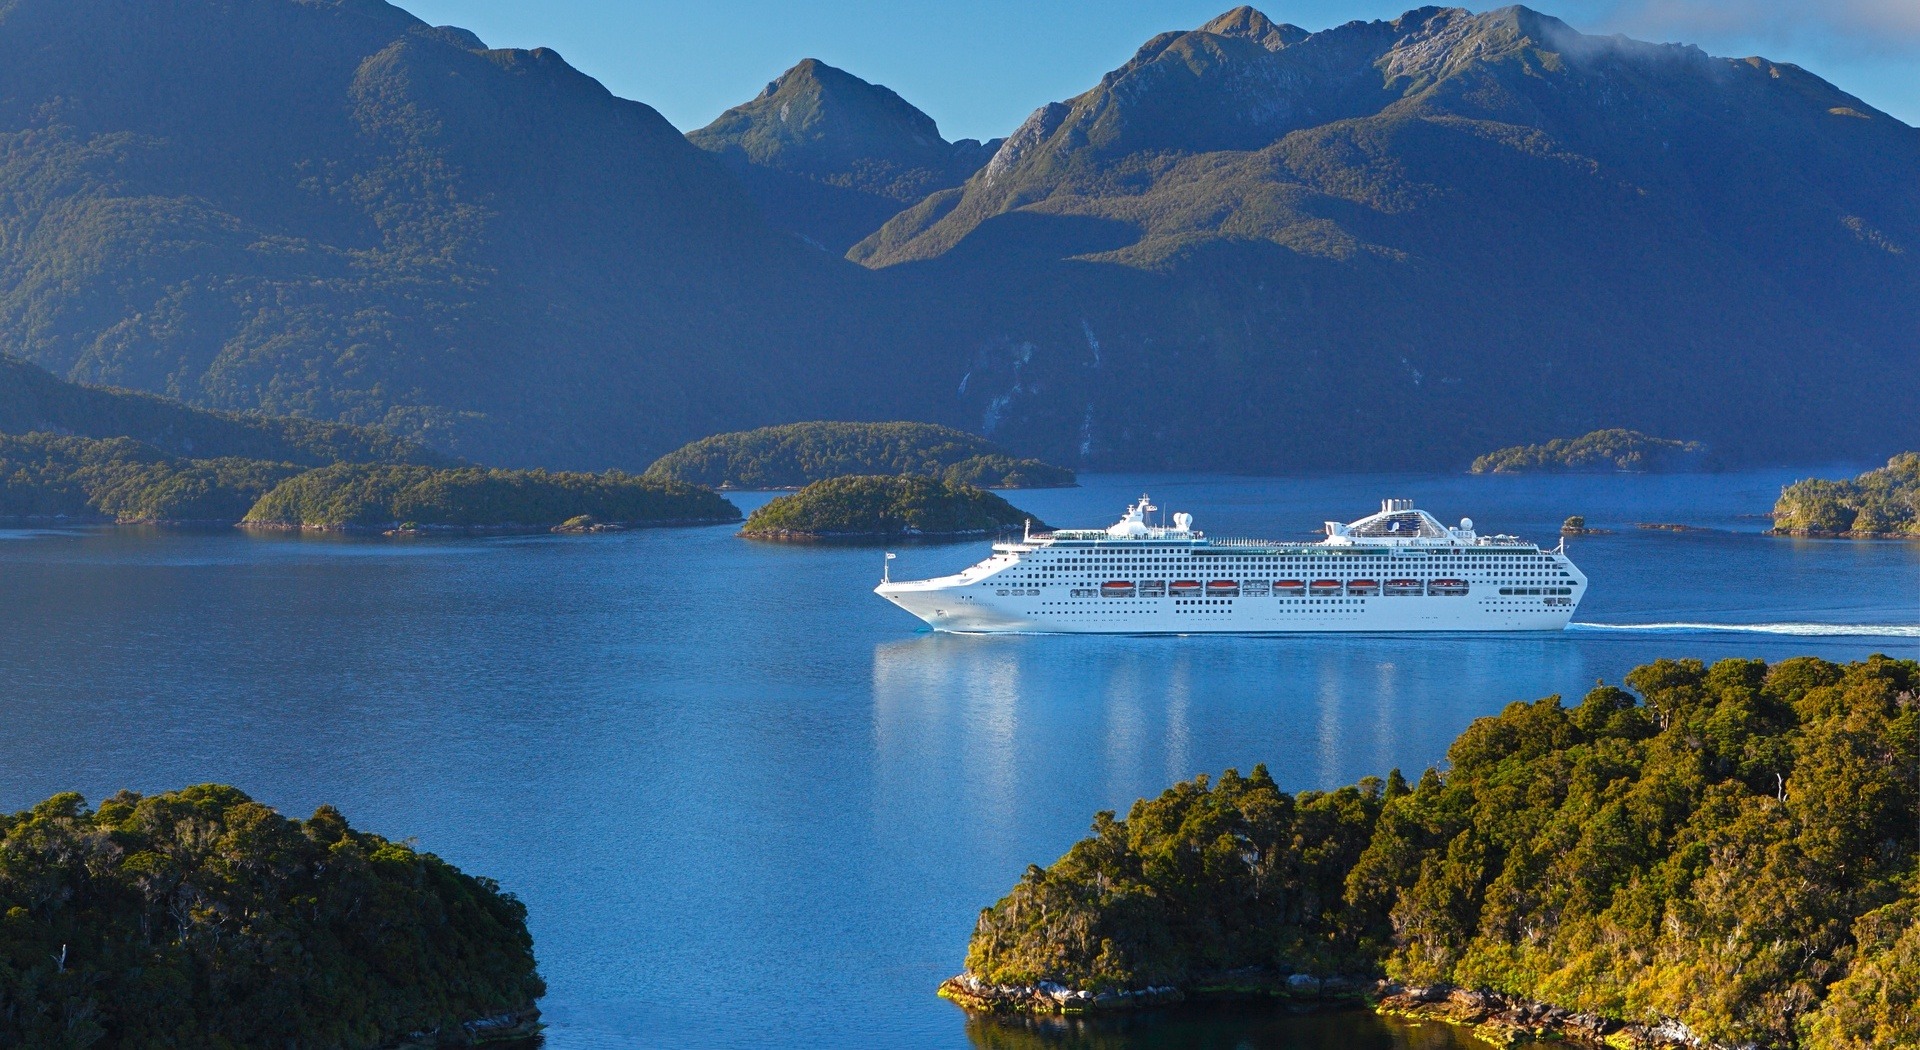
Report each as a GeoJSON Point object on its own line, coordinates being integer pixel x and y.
{"type": "Point", "coordinates": [799, 454]}
{"type": "Point", "coordinates": [1598, 451]}
{"type": "Point", "coordinates": [884, 507]}
{"type": "Point", "coordinates": [203, 918]}
{"type": "Point", "coordinates": [368, 496]}
{"type": "Point", "coordinates": [1725, 859]}
{"type": "Point", "coordinates": [1882, 503]}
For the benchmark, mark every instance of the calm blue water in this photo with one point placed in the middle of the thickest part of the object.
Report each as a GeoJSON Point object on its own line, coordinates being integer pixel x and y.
{"type": "Point", "coordinates": [751, 805]}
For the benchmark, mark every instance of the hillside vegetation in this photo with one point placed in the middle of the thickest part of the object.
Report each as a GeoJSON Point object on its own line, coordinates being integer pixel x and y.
{"type": "Point", "coordinates": [202, 918]}
{"type": "Point", "coordinates": [1600, 450]}
{"type": "Point", "coordinates": [119, 479]}
{"type": "Point", "coordinates": [799, 454]}
{"type": "Point", "coordinates": [884, 506]}
{"type": "Point", "coordinates": [1248, 248]}
{"type": "Point", "coordinates": [1732, 851]}
{"type": "Point", "coordinates": [1883, 502]}
{"type": "Point", "coordinates": [367, 496]}
{"type": "Point", "coordinates": [34, 400]}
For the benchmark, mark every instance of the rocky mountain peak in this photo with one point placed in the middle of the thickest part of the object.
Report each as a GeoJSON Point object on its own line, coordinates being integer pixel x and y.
{"type": "Point", "coordinates": [1249, 24]}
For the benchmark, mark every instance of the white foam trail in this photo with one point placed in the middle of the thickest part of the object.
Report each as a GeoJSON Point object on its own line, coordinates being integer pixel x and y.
{"type": "Point", "coordinates": [1843, 630]}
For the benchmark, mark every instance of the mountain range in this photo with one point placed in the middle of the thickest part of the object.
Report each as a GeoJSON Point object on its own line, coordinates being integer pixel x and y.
{"type": "Point", "coordinates": [1250, 247]}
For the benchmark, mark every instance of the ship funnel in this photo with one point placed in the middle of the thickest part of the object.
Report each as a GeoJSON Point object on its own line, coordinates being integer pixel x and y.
{"type": "Point", "coordinates": [1388, 506]}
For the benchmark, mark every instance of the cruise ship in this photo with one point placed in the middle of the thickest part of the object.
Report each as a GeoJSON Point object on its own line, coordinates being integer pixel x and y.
{"type": "Point", "coordinates": [1397, 570]}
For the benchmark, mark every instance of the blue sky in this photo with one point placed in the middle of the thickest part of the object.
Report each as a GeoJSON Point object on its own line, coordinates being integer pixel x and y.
{"type": "Point", "coordinates": [979, 67]}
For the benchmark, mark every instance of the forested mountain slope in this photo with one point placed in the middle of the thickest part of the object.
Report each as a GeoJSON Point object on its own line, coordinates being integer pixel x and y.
{"type": "Point", "coordinates": [334, 209]}
{"type": "Point", "coordinates": [33, 401]}
{"type": "Point", "coordinates": [1387, 244]}
{"type": "Point", "coordinates": [1257, 247]}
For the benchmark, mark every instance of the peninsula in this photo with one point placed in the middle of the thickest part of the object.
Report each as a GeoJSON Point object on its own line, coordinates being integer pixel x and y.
{"type": "Point", "coordinates": [201, 917]}
{"type": "Point", "coordinates": [70, 452]}
{"type": "Point", "coordinates": [880, 507]}
{"type": "Point", "coordinates": [1597, 452]}
{"type": "Point", "coordinates": [799, 454]}
{"type": "Point", "coordinates": [1879, 504]}
{"type": "Point", "coordinates": [1726, 858]}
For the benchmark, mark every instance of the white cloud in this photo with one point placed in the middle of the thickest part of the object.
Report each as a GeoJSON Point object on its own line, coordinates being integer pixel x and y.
{"type": "Point", "coordinates": [1840, 28]}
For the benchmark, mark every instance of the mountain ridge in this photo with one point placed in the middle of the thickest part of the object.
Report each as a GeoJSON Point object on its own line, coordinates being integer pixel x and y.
{"type": "Point", "coordinates": [1248, 248]}
{"type": "Point", "coordinates": [832, 157]}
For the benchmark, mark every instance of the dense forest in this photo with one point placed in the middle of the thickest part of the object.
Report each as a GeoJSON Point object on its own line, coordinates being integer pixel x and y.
{"type": "Point", "coordinates": [202, 918]}
{"type": "Point", "coordinates": [884, 506]}
{"type": "Point", "coordinates": [1727, 850]}
{"type": "Point", "coordinates": [351, 495]}
{"type": "Point", "coordinates": [33, 400]}
{"type": "Point", "coordinates": [1600, 450]}
{"type": "Point", "coordinates": [1883, 502]}
{"type": "Point", "coordinates": [119, 479]}
{"type": "Point", "coordinates": [799, 454]}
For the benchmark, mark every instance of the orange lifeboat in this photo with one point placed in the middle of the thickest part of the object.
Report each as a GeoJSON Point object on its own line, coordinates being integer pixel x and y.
{"type": "Point", "coordinates": [1222, 589]}
{"type": "Point", "coordinates": [1117, 589]}
{"type": "Point", "coordinates": [1183, 588]}
{"type": "Point", "coordinates": [1324, 588]}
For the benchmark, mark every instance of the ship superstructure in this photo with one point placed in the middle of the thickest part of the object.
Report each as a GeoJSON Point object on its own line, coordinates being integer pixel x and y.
{"type": "Point", "coordinates": [1396, 570]}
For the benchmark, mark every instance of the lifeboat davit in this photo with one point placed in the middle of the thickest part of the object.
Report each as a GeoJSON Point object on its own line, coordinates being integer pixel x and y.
{"type": "Point", "coordinates": [1403, 587]}
{"type": "Point", "coordinates": [1363, 587]}
{"type": "Point", "coordinates": [1447, 588]}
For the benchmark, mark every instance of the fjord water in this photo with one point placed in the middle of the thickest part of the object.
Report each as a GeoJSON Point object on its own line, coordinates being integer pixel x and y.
{"type": "Point", "coordinates": [748, 803]}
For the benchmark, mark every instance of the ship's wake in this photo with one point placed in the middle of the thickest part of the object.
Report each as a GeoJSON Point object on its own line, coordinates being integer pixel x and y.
{"type": "Point", "coordinates": [1814, 630]}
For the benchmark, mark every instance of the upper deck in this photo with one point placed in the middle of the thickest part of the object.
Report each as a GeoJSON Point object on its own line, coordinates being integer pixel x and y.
{"type": "Point", "coordinates": [1397, 525]}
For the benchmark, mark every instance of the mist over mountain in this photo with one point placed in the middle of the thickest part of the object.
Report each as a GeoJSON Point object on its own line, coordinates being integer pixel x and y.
{"type": "Point", "coordinates": [832, 157]}
{"type": "Point", "coordinates": [1258, 247]}
{"type": "Point", "coordinates": [1251, 247]}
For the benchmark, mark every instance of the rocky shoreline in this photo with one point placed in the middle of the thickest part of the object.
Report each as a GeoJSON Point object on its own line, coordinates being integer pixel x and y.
{"type": "Point", "coordinates": [1494, 1018]}
{"type": "Point", "coordinates": [511, 1027]}
{"type": "Point", "coordinates": [1823, 534]}
{"type": "Point", "coordinates": [510, 529]}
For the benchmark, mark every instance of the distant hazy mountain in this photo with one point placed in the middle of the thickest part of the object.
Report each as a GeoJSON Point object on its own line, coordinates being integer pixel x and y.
{"type": "Point", "coordinates": [1394, 242]}
{"type": "Point", "coordinates": [332, 208]}
{"type": "Point", "coordinates": [832, 157]}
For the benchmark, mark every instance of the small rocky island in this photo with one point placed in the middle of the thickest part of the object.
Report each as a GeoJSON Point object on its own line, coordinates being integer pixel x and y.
{"type": "Point", "coordinates": [202, 918]}
{"type": "Point", "coordinates": [1879, 504]}
{"type": "Point", "coordinates": [798, 454]}
{"type": "Point", "coordinates": [1598, 451]}
{"type": "Point", "coordinates": [1726, 859]}
{"type": "Point", "coordinates": [885, 507]}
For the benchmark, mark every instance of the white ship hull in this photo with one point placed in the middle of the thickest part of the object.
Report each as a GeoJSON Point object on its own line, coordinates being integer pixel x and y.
{"type": "Point", "coordinates": [978, 610]}
{"type": "Point", "coordinates": [1396, 571]}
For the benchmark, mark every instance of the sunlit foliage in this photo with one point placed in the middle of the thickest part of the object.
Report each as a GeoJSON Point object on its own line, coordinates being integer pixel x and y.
{"type": "Point", "coordinates": [1733, 847]}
